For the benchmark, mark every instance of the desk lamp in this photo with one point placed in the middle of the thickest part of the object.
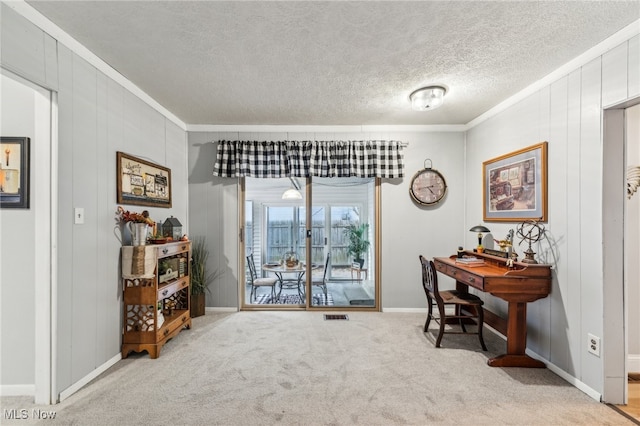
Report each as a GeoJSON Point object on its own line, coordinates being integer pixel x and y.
{"type": "Point", "coordinates": [479, 229]}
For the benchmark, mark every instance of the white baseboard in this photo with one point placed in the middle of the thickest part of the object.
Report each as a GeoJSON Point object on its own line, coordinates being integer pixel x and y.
{"type": "Point", "coordinates": [89, 377]}
{"type": "Point", "coordinates": [633, 363]}
{"type": "Point", "coordinates": [405, 310]}
{"type": "Point", "coordinates": [220, 309]}
{"type": "Point", "coordinates": [568, 377]}
{"type": "Point", "coordinates": [17, 390]}
{"type": "Point", "coordinates": [557, 370]}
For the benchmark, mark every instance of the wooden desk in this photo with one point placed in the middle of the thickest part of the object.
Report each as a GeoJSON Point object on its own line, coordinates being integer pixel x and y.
{"type": "Point", "coordinates": [519, 285]}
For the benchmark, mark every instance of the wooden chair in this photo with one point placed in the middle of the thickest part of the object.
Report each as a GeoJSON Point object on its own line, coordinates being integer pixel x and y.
{"type": "Point", "coordinates": [323, 282]}
{"type": "Point", "coordinates": [256, 282]}
{"type": "Point", "coordinates": [466, 306]}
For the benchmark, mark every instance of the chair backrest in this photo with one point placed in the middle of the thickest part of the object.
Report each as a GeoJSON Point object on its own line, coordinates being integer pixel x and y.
{"type": "Point", "coordinates": [252, 268]}
{"type": "Point", "coordinates": [429, 278]}
{"type": "Point", "coordinates": [326, 267]}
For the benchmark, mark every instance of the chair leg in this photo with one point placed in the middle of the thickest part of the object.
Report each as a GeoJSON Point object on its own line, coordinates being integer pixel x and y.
{"type": "Point", "coordinates": [460, 320]}
{"type": "Point", "coordinates": [480, 313]}
{"type": "Point", "coordinates": [429, 314]}
{"type": "Point", "coordinates": [442, 324]}
{"type": "Point", "coordinates": [252, 294]}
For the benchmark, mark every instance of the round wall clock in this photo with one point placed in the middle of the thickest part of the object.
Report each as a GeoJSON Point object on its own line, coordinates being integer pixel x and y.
{"type": "Point", "coordinates": [428, 186]}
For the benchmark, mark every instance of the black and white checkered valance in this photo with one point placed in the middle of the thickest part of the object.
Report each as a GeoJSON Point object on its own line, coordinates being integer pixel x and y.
{"type": "Point", "coordinates": [364, 159]}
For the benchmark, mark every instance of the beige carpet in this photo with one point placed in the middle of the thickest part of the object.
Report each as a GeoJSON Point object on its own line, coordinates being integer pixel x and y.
{"type": "Point", "coordinates": [295, 368]}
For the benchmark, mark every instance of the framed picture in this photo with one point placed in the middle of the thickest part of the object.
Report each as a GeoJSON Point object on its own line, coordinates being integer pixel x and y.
{"type": "Point", "coordinates": [141, 182]}
{"type": "Point", "coordinates": [14, 172]}
{"type": "Point", "coordinates": [515, 185]}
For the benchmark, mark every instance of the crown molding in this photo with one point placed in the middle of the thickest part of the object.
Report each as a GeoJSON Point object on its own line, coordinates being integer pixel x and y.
{"type": "Point", "coordinates": [324, 129]}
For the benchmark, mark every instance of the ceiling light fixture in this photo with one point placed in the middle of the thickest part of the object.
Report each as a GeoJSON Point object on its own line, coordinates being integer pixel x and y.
{"type": "Point", "coordinates": [293, 193]}
{"type": "Point", "coordinates": [427, 98]}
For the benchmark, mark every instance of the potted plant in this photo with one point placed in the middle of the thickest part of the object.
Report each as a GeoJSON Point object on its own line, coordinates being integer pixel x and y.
{"type": "Point", "coordinates": [200, 279]}
{"type": "Point", "coordinates": [358, 243]}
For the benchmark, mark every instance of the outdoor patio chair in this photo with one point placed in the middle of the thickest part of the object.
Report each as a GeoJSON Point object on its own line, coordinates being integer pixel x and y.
{"type": "Point", "coordinates": [322, 283]}
{"type": "Point", "coordinates": [255, 281]}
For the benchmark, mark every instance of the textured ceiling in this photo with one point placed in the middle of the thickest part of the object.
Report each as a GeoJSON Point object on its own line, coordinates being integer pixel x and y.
{"type": "Point", "coordinates": [334, 63]}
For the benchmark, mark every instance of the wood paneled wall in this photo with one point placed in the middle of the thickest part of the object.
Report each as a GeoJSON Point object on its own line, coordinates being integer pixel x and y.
{"type": "Point", "coordinates": [568, 113]}
{"type": "Point", "coordinates": [96, 118]}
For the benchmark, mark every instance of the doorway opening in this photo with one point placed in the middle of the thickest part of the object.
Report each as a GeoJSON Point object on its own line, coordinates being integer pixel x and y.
{"type": "Point", "coordinates": [619, 241]}
{"type": "Point", "coordinates": [30, 111]}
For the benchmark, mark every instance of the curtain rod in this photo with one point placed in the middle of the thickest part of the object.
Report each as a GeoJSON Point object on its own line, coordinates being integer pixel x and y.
{"type": "Point", "coordinates": [402, 144]}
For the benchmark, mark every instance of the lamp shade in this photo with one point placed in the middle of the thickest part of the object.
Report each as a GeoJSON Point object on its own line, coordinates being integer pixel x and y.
{"type": "Point", "coordinates": [479, 228]}
{"type": "Point", "coordinates": [427, 98]}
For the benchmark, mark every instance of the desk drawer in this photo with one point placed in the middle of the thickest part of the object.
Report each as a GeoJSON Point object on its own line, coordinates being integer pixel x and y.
{"type": "Point", "coordinates": [441, 267]}
{"type": "Point", "coordinates": [464, 277]}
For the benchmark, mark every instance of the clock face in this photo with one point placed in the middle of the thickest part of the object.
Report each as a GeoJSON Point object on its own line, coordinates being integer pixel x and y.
{"type": "Point", "coordinates": [428, 187]}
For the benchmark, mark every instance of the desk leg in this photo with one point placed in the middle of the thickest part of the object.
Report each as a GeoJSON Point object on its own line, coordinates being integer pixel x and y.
{"type": "Point", "coordinates": [516, 341]}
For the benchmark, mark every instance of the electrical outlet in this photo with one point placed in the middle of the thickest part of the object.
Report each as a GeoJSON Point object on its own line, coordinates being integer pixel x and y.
{"type": "Point", "coordinates": [593, 344]}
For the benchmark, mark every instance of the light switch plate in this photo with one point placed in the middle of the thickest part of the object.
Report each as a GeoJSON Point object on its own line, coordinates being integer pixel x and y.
{"type": "Point", "coordinates": [78, 215]}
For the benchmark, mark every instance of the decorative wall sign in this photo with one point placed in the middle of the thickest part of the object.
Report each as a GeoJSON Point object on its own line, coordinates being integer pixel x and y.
{"type": "Point", "coordinates": [142, 183]}
{"type": "Point", "coordinates": [14, 172]}
{"type": "Point", "coordinates": [515, 185]}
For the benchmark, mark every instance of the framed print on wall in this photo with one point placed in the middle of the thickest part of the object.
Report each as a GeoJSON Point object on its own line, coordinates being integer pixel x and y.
{"type": "Point", "coordinates": [515, 185]}
{"type": "Point", "coordinates": [14, 172]}
{"type": "Point", "coordinates": [142, 182]}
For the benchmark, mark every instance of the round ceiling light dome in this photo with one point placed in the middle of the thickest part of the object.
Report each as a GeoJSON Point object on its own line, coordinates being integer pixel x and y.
{"type": "Point", "coordinates": [427, 98]}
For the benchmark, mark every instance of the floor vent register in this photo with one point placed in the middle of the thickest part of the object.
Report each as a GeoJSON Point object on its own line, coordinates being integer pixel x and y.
{"type": "Point", "coordinates": [342, 317]}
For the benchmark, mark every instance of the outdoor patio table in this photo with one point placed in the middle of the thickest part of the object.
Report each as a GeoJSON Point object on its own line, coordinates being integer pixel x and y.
{"type": "Point", "coordinates": [294, 282]}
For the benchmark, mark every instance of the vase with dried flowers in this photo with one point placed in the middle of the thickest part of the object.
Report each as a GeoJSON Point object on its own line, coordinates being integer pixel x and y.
{"type": "Point", "coordinates": [136, 223]}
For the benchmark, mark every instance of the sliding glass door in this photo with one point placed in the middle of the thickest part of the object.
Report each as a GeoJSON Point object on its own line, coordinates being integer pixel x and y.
{"type": "Point", "coordinates": [349, 205]}
{"type": "Point", "coordinates": [337, 270]}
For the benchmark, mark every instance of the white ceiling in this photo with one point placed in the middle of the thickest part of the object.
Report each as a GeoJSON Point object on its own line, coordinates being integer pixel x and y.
{"type": "Point", "coordinates": [334, 63]}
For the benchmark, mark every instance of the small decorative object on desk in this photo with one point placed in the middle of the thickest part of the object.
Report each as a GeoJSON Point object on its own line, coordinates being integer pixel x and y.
{"type": "Point", "coordinates": [497, 253]}
{"type": "Point", "coordinates": [531, 231]}
{"type": "Point", "coordinates": [480, 229]}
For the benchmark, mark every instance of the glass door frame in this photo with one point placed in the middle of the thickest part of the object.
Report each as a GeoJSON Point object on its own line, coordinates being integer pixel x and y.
{"type": "Point", "coordinates": [308, 306]}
